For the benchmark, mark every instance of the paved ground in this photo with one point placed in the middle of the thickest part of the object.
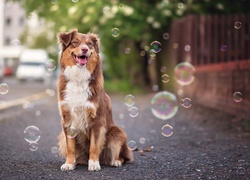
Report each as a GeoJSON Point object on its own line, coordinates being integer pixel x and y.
{"type": "Point", "coordinates": [206, 144]}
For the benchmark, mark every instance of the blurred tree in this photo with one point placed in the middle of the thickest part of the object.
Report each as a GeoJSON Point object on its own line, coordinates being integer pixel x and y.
{"type": "Point", "coordinates": [138, 23]}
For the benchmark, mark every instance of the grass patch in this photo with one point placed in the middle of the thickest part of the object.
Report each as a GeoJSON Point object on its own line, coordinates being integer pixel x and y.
{"type": "Point", "coordinates": [121, 87]}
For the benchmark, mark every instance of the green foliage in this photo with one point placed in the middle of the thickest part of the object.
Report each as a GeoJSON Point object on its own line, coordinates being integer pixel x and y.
{"type": "Point", "coordinates": [139, 22]}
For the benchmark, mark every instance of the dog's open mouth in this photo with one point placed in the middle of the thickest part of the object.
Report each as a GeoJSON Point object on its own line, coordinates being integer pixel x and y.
{"type": "Point", "coordinates": [81, 60]}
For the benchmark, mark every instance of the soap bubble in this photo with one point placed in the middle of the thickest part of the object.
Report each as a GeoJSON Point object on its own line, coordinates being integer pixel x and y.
{"type": "Point", "coordinates": [184, 73]}
{"type": "Point", "coordinates": [32, 134]}
{"type": "Point", "coordinates": [142, 140]}
{"type": "Point", "coordinates": [106, 9]}
{"type": "Point", "coordinates": [127, 50]}
{"type": "Point", "coordinates": [54, 150]}
{"type": "Point", "coordinates": [133, 111]}
{"type": "Point", "coordinates": [237, 25]}
{"type": "Point", "coordinates": [167, 130]}
{"type": "Point", "coordinates": [237, 96]}
{"type": "Point", "coordinates": [165, 36]}
{"type": "Point", "coordinates": [132, 145]}
{"type": "Point", "coordinates": [186, 102]}
{"type": "Point", "coordinates": [115, 32]}
{"type": "Point", "coordinates": [156, 46]}
{"type": "Point", "coordinates": [15, 42]}
{"type": "Point", "coordinates": [33, 146]}
{"type": "Point", "coordinates": [187, 48]}
{"type": "Point", "coordinates": [152, 53]}
{"type": "Point", "coordinates": [129, 100]}
{"type": "Point", "coordinates": [163, 69]}
{"type": "Point", "coordinates": [165, 78]}
{"type": "Point", "coordinates": [4, 88]}
{"type": "Point", "coordinates": [223, 48]}
{"type": "Point", "coordinates": [72, 132]}
{"type": "Point", "coordinates": [121, 6]}
{"type": "Point", "coordinates": [51, 65]}
{"type": "Point", "coordinates": [164, 105]}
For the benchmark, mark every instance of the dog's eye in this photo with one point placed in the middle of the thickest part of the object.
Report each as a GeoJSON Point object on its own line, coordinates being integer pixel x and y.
{"type": "Point", "coordinates": [74, 43]}
{"type": "Point", "coordinates": [89, 43]}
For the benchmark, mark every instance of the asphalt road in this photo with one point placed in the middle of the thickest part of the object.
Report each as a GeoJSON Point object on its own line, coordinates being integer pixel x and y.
{"type": "Point", "coordinates": [206, 144]}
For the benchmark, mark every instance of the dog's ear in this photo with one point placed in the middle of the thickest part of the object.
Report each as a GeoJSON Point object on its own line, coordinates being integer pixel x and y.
{"type": "Point", "coordinates": [65, 38]}
{"type": "Point", "coordinates": [96, 41]}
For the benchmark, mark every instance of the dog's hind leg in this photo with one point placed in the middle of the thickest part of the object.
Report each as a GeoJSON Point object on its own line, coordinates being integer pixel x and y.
{"type": "Point", "coordinates": [116, 145]}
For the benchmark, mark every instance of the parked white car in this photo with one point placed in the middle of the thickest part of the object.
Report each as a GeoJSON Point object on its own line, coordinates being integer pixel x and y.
{"type": "Point", "coordinates": [32, 65]}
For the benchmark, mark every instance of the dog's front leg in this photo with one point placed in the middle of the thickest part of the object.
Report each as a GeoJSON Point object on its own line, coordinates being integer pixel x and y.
{"type": "Point", "coordinates": [70, 156]}
{"type": "Point", "coordinates": [97, 140]}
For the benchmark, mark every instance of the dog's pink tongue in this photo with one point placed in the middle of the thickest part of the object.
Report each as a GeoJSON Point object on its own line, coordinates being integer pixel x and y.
{"type": "Point", "coordinates": [82, 61]}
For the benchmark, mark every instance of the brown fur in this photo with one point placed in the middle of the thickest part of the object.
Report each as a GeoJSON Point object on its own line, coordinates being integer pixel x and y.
{"type": "Point", "coordinates": [101, 140]}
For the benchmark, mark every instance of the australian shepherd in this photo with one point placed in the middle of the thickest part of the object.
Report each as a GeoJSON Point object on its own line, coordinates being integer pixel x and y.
{"type": "Point", "coordinates": [89, 135]}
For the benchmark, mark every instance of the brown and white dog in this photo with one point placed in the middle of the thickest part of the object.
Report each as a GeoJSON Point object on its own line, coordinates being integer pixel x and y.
{"type": "Point", "coordinates": [86, 108]}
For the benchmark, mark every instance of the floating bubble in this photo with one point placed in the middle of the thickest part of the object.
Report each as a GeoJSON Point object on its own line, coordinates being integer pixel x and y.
{"type": "Point", "coordinates": [165, 36]}
{"type": "Point", "coordinates": [53, 1]}
{"type": "Point", "coordinates": [33, 146]}
{"type": "Point", "coordinates": [180, 5]}
{"type": "Point", "coordinates": [54, 150]}
{"type": "Point", "coordinates": [129, 100]}
{"type": "Point", "coordinates": [223, 48]}
{"type": "Point", "coordinates": [133, 111]}
{"type": "Point", "coordinates": [132, 145]}
{"type": "Point", "coordinates": [155, 87]}
{"type": "Point", "coordinates": [175, 45]}
{"type": "Point", "coordinates": [32, 134]}
{"type": "Point", "coordinates": [142, 53]}
{"type": "Point", "coordinates": [121, 116]}
{"type": "Point", "coordinates": [184, 73]}
{"type": "Point", "coordinates": [50, 92]}
{"type": "Point", "coordinates": [38, 113]}
{"type": "Point", "coordinates": [237, 96]}
{"type": "Point", "coordinates": [51, 65]}
{"type": "Point", "coordinates": [127, 50]}
{"type": "Point", "coordinates": [146, 48]}
{"type": "Point", "coordinates": [152, 53]}
{"type": "Point", "coordinates": [237, 25]}
{"type": "Point", "coordinates": [164, 105]}
{"type": "Point", "coordinates": [163, 69]}
{"type": "Point", "coordinates": [4, 88]}
{"type": "Point", "coordinates": [180, 92]}
{"type": "Point", "coordinates": [106, 9]}
{"type": "Point", "coordinates": [167, 130]}
{"type": "Point", "coordinates": [15, 42]}
{"type": "Point", "coordinates": [75, 1]}
{"type": "Point", "coordinates": [72, 132]}
{"type": "Point", "coordinates": [186, 102]}
{"type": "Point", "coordinates": [156, 46]}
{"type": "Point", "coordinates": [28, 105]}
{"type": "Point", "coordinates": [165, 78]}
{"type": "Point", "coordinates": [115, 32]}
{"type": "Point", "coordinates": [121, 6]}
{"type": "Point", "coordinates": [142, 140]}
{"type": "Point", "coordinates": [187, 48]}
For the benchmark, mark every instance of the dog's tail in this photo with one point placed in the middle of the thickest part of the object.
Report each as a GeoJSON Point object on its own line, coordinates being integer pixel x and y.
{"type": "Point", "coordinates": [126, 153]}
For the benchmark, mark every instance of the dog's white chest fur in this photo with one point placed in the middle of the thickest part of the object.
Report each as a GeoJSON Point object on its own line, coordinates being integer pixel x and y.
{"type": "Point", "coordinates": [76, 96]}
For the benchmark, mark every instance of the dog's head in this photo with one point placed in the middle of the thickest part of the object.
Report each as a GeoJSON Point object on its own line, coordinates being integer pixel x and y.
{"type": "Point", "coordinates": [79, 49]}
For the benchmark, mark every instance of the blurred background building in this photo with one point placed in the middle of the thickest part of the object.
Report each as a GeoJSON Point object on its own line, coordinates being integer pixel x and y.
{"type": "Point", "coordinates": [13, 21]}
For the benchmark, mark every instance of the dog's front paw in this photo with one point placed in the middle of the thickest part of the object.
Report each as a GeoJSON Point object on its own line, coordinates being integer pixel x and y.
{"type": "Point", "coordinates": [116, 163]}
{"type": "Point", "coordinates": [67, 167]}
{"type": "Point", "coordinates": [94, 165]}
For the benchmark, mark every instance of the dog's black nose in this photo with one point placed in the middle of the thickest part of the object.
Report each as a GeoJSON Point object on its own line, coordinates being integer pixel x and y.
{"type": "Point", "coordinates": [84, 50]}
